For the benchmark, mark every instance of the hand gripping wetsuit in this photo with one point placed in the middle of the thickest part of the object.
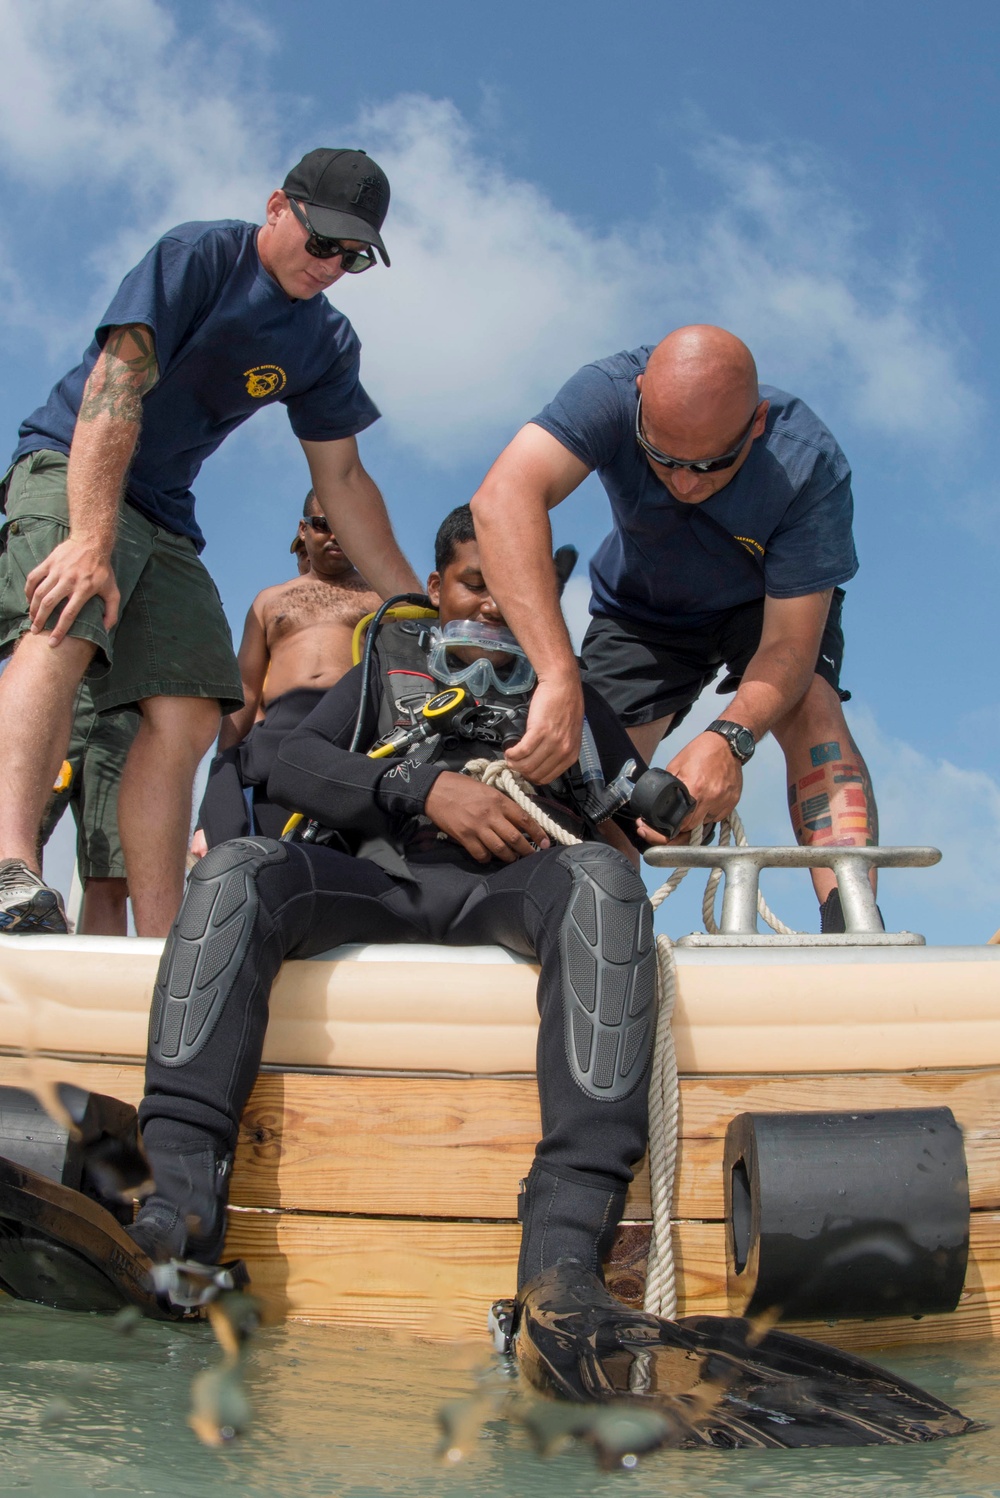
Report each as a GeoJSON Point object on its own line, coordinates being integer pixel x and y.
{"type": "Point", "coordinates": [582, 911]}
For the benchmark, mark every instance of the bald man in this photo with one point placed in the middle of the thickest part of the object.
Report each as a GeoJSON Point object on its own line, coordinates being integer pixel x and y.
{"type": "Point", "coordinates": [732, 509]}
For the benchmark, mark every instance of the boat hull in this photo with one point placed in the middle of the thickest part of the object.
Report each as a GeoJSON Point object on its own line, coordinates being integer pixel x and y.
{"type": "Point", "coordinates": [379, 1156]}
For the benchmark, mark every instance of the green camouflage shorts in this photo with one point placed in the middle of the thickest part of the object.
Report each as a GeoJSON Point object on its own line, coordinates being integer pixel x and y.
{"type": "Point", "coordinates": [172, 638]}
{"type": "Point", "coordinates": [98, 749]}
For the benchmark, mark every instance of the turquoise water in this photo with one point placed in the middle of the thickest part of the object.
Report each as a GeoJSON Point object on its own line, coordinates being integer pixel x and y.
{"type": "Point", "coordinates": [87, 1409]}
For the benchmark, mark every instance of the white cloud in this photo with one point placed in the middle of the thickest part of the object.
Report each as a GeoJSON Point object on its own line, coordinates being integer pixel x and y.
{"type": "Point", "coordinates": [113, 90]}
{"type": "Point", "coordinates": [111, 98]}
{"type": "Point", "coordinates": [495, 296]}
{"type": "Point", "coordinates": [783, 261]}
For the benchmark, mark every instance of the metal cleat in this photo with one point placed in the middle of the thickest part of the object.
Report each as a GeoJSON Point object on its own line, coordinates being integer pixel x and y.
{"type": "Point", "coordinates": [741, 869]}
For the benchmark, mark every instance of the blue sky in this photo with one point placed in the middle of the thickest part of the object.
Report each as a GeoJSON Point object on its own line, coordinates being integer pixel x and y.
{"type": "Point", "coordinates": [569, 180]}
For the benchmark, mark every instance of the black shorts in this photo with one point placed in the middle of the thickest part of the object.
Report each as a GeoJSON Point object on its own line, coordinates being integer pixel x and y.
{"type": "Point", "coordinates": [646, 671]}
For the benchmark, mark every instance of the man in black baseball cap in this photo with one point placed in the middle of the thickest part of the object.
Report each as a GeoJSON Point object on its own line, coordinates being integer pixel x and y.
{"type": "Point", "coordinates": [347, 195]}
{"type": "Point", "coordinates": [101, 558]}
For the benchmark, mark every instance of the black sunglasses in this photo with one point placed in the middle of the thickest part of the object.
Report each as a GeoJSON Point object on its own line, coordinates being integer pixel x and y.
{"type": "Point", "coordinates": [700, 465]}
{"type": "Point", "coordinates": [353, 261]}
{"type": "Point", "coordinates": [319, 524]}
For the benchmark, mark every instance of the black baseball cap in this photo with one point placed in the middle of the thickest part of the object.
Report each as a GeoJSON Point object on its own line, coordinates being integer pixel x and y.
{"type": "Point", "coordinates": [347, 194]}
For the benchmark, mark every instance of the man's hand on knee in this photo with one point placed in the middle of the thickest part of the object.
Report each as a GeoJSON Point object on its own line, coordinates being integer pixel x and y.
{"type": "Point", "coordinates": [72, 574]}
{"type": "Point", "coordinates": [483, 820]}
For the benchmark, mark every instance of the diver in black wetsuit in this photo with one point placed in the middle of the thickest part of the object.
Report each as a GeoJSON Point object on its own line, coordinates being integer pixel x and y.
{"type": "Point", "coordinates": [416, 852]}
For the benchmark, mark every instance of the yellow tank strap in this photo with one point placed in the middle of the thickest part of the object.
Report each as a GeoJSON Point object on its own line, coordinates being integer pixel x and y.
{"type": "Point", "coordinates": [404, 611]}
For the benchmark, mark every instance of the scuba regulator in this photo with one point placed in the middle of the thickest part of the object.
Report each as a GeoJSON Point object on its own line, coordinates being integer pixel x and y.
{"type": "Point", "coordinates": [661, 799]}
{"type": "Point", "coordinates": [469, 708]}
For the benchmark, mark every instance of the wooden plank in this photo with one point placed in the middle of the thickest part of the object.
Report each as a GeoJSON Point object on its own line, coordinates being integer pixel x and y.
{"type": "Point", "coordinates": [456, 1148]}
{"type": "Point", "coordinates": [429, 1276]}
{"type": "Point", "coordinates": [438, 1279]}
{"type": "Point", "coordinates": [708, 1104]}
{"type": "Point", "coordinates": [452, 1147]}
{"type": "Point", "coordinates": [123, 1080]}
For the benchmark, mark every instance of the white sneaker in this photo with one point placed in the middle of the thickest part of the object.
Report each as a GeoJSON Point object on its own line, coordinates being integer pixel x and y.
{"type": "Point", "coordinates": [26, 902]}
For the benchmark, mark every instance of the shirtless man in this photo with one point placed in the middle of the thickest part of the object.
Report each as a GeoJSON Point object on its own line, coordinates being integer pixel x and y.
{"type": "Point", "coordinates": [296, 644]}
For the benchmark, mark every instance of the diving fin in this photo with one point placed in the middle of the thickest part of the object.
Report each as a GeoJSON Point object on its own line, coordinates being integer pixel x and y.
{"type": "Point", "coordinates": [61, 1248]}
{"type": "Point", "coordinates": [718, 1382]}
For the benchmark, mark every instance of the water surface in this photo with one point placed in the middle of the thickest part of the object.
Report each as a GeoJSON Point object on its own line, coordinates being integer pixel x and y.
{"type": "Point", "coordinates": [85, 1409]}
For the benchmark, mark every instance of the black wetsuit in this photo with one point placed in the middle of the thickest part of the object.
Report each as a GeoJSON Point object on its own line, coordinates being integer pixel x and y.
{"type": "Point", "coordinates": [582, 911]}
{"type": "Point", "coordinates": [235, 802]}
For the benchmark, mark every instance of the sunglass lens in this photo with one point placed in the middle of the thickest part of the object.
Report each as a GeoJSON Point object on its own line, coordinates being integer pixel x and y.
{"type": "Point", "coordinates": [355, 261]}
{"type": "Point", "coordinates": [322, 249]}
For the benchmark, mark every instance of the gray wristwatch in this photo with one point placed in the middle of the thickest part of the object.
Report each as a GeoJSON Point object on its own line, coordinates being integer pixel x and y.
{"type": "Point", "coordinates": [740, 740]}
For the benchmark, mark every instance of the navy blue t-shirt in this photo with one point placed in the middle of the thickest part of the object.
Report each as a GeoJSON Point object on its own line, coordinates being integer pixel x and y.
{"type": "Point", "coordinates": [228, 341]}
{"type": "Point", "coordinates": [781, 526]}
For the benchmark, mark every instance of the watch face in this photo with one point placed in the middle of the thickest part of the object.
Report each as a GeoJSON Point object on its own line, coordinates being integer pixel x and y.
{"type": "Point", "coordinates": [744, 743]}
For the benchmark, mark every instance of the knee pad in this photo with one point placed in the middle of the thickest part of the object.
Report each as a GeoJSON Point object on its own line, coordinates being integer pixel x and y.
{"type": "Point", "coordinates": [206, 947]}
{"type": "Point", "coordinates": [608, 966]}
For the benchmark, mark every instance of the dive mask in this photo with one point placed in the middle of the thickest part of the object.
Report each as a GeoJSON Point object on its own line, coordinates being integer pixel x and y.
{"type": "Point", "coordinates": [511, 676]}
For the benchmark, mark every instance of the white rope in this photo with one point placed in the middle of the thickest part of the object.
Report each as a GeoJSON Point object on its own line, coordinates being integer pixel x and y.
{"type": "Point", "coordinates": [664, 1091]}
{"type": "Point", "coordinates": [498, 773]}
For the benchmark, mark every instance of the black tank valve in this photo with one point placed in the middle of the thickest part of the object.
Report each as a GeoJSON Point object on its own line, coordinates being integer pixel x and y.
{"type": "Point", "coordinates": [662, 801]}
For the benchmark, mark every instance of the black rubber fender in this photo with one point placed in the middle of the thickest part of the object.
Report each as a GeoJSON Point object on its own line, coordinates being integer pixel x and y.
{"type": "Point", "coordinates": [207, 947]}
{"type": "Point", "coordinates": [608, 963]}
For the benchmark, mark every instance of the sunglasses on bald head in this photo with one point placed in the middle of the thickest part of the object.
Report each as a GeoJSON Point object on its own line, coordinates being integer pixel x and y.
{"type": "Point", "coordinates": [699, 465]}
{"type": "Point", "coordinates": [353, 261]}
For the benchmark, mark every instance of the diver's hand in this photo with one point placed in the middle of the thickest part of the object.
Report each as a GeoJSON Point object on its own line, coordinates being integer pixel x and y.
{"type": "Point", "coordinates": [482, 819]}
{"type": "Point", "coordinates": [659, 839]}
{"type": "Point", "coordinates": [551, 741]}
{"type": "Point", "coordinates": [713, 776]}
{"type": "Point", "coordinates": [198, 846]}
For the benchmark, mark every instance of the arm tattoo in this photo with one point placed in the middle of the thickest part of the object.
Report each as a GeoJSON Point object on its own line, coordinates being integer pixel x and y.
{"type": "Point", "coordinates": [125, 372]}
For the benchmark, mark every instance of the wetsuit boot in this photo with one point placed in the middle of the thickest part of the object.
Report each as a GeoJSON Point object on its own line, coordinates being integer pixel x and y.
{"type": "Point", "coordinates": [566, 1214]}
{"type": "Point", "coordinates": [831, 915]}
{"type": "Point", "coordinates": [185, 1217]}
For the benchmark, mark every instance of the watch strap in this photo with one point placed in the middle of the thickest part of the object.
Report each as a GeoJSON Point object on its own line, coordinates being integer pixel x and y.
{"type": "Point", "coordinates": [731, 732]}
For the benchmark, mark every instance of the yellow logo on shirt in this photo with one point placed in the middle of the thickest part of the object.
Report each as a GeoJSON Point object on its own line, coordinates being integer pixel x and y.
{"type": "Point", "coordinates": [266, 379]}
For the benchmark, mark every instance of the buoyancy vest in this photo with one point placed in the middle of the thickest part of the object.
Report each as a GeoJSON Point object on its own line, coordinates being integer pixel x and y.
{"type": "Point", "coordinates": [401, 655]}
{"type": "Point", "coordinates": [401, 651]}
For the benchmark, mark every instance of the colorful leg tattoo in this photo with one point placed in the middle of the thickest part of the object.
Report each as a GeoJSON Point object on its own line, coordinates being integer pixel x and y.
{"type": "Point", "coordinates": [834, 805]}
